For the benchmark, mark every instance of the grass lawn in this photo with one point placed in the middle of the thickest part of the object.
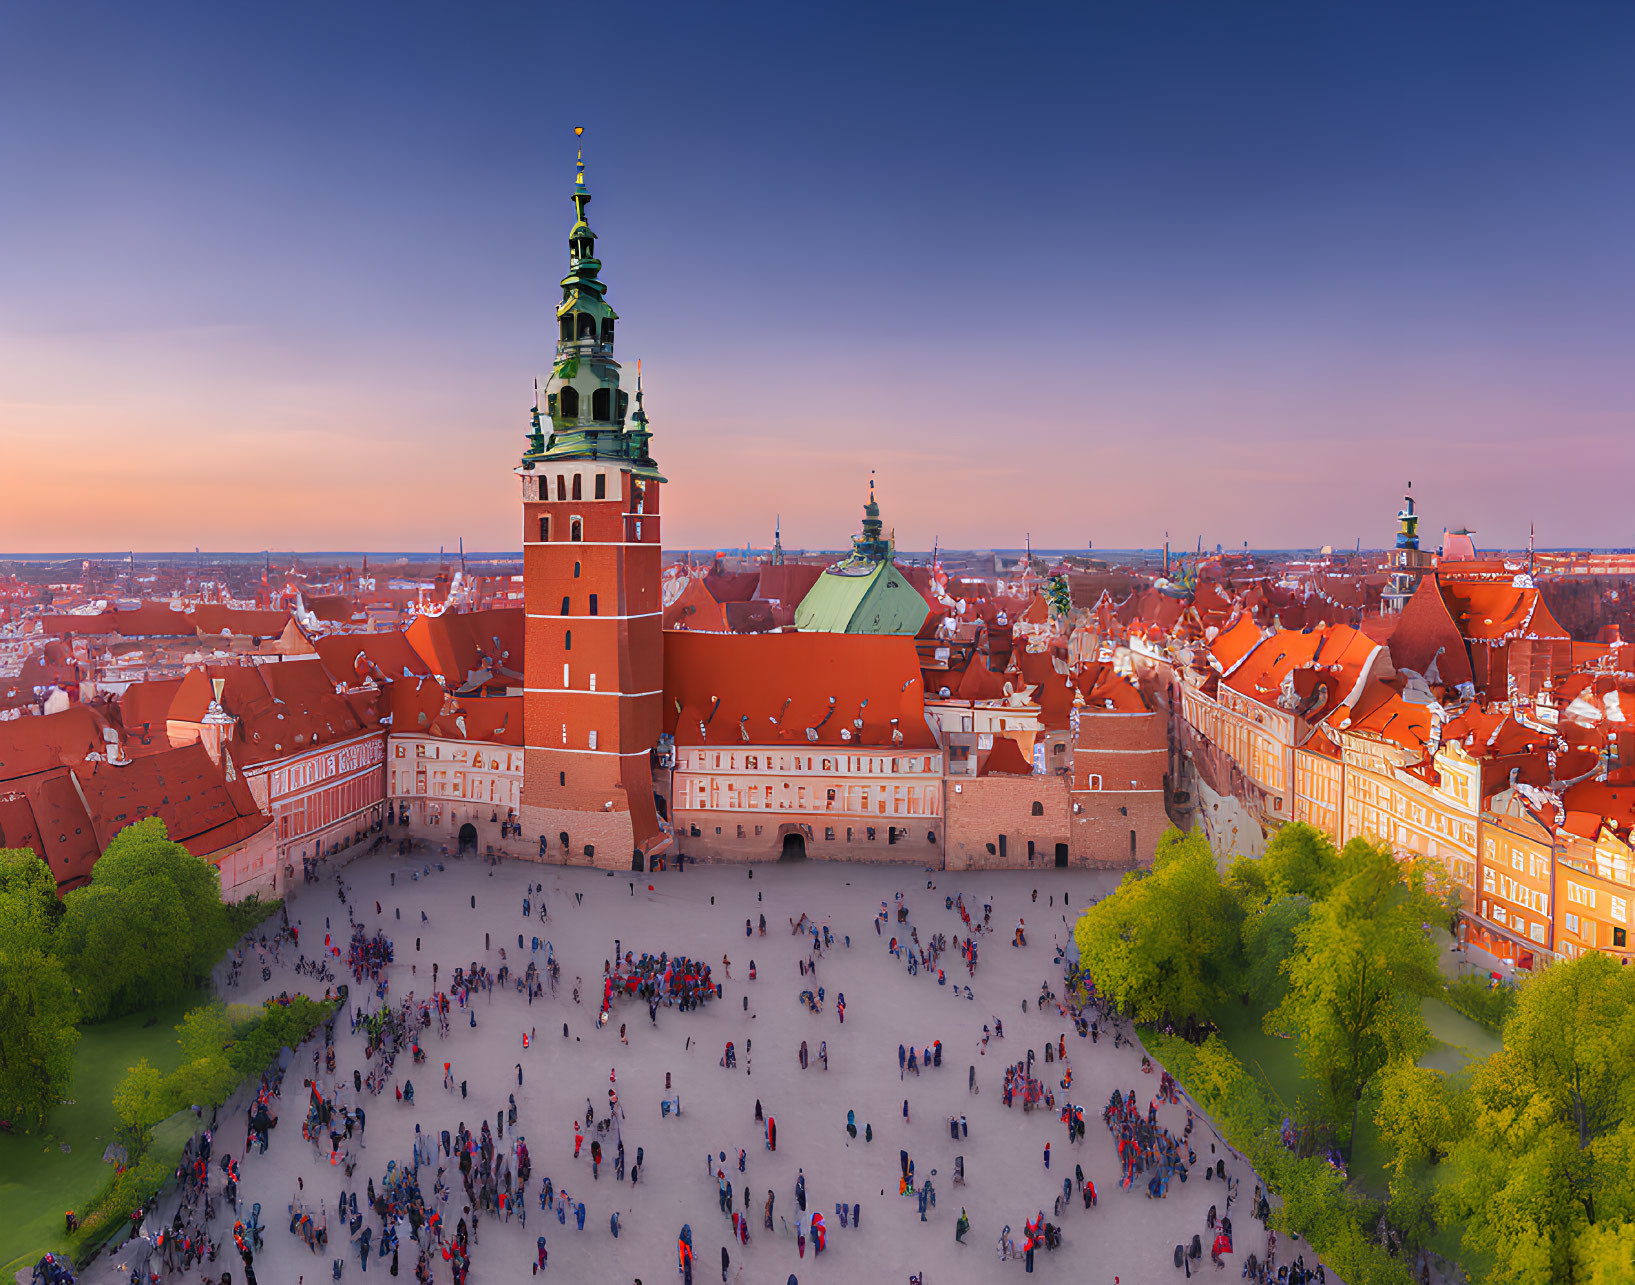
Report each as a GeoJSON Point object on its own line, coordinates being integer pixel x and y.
{"type": "Point", "coordinates": [38, 1181]}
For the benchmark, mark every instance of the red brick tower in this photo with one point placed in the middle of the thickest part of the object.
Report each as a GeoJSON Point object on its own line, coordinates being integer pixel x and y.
{"type": "Point", "coordinates": [594, 669]}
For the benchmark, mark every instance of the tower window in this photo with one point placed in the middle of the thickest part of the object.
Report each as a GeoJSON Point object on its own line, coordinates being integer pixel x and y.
{"type": "Point", "coordinates": [587, 326]}
{"type": "Point", "coordinates": [544, 529]}
{"type": "Point", "coordinates": [576, 530]}
{"type": "Point", "coordinates": [566, 323]}
{"type": "Point", "coordinates": [593, 604]}
{"type": "Point", "coordinates": [568, 400]}
{"type": "Point", "coordinates": [561, 487]}
{"type": "Point", "coordinates": [601, 486]}
{"type": "Point", "coordinates": [607, 330]}
{"type": "Point", "coordinates": [576, 571]}
{"type": "Point", "coordinates": [565, 610]}
{"type": "Point", "coordinates": [601, 405]}
{"type": "Point", "coordinates": [567, 638]}
{"type": "Point", "coordinates": [562, 778]}
{"type": "Point", "coordinates": [576, 487]}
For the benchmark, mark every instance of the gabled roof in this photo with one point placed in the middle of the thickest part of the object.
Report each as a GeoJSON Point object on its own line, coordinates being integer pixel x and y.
{"type": "Point", "coordinates": [382, 657]}
{"type": "Point", "coordinates": [201, 808]}
{"type": "Point", "coordinates": [1235, 642]}
{"type": "Point", "coordinates": [774, 687]}
{"type": "Point", "coordinates": [1492, 612]}
{"type": "Point", "coordinates": [472, 648]}
{"type": "Point", "coordinates": [37, 743]}
{"type": "Point", "coordinates": [787, 582]}
{"type": "Point", "coordinates": [1311, 673]}
{"type": "Point", "coordinates": [282, 709]}
{"type": "Point", "coordinates": [1005, 759]}
{"type": "Point", "coordinates": [144, 709]}
{"type": "Point", "coordinates": [420, 705]}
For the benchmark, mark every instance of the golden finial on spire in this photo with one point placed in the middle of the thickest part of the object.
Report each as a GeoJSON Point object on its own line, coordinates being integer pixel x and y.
{"type": "Point", "coordinates": [579, 132]}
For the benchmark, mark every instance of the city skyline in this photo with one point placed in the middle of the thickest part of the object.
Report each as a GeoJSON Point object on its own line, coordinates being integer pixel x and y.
{"type": "Point", "coordinates": [290, 279]}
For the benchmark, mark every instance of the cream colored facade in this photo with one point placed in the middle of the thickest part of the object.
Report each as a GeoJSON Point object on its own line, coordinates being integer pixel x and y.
{"type": "Point", "coordinates": [437, 786]}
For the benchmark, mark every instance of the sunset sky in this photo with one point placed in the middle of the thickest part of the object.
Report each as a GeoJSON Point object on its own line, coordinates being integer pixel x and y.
{"type": "Point", "coordinates": [283, 275]}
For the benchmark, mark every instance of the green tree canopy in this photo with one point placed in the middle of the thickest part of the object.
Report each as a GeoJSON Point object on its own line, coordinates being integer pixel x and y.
{"type": "Point", "coordinates": [1544, 1178]}
{"type": "Point", "coordinates": [147, 928]}
{"type": "Point", "coordinates": [29, 906]}
{"type": "Point", "coordinates": [139, 1100]}
{"type": "Point", "coordinates": [1299, 860]}
{"type": "Point", "coordinates": [1166, 941]}
{"type": "Point", "coordinates": [1270, 936]}
{"type": "Point", "coordinates": [37, 1008]}
{"type": "Point", "coordinates": [1356, 980]}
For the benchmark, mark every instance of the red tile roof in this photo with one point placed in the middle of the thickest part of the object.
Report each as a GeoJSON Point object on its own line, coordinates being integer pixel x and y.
{"type": "Point", "coordinates": [1492, 612]}
{"type": "Point", "coordinates": [472, 648]}
{"type": "Point", "coordinates": [201, 809]}
{"type": "Point", "coordinates": [1326, 667]}
{"type": "Point", "coordinates": [159, 620]}
{"type": "Point", "coordinates": [381, 657]}
{"type": "Point", "coordinates": [776, 686]}
{"type": "Point", "coordinates": [37, 743]}
{"type": "Point", "coordinates": [144, 709]}
{"type": "Point", "coordinates": [282, 709]}
{"type": "Point", "coordinates": [1005, 759]}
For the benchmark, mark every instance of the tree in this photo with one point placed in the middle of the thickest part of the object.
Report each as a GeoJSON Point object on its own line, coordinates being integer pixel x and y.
{"type": "Point", "coordinates": [1270, 936]}
{"type": "Point", "coordinates": [139, 1099]}
{"type": "Point", "coordinates": [1544, 1179]}
{"type": "Point", "coordinates": [1420, 1115]}
{"type": "Point", "coordinates": [37, 1009]}
{"type": "Point", "coordinates": [147, 928]}
{"type": "Point", "coordinates": [1166, 941]}
{"type": "Point", "coordinates": [1356, 981]}
{"type": "Point", "coordinates": [1299, 860]}
{"type": "Point", "coordinates": [28, 896]}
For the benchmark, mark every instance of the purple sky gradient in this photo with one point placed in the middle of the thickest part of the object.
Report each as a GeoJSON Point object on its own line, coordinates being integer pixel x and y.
{"type": "Point", "coordinates": [284, 276]}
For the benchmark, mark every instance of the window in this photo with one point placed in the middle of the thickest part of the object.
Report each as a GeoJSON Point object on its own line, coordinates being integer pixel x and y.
{"type": "Point", "coordinates": [562, 778]}
{"type": "Point", "coordinates": [1094, 782]}
{"type": "Point", "coordinates": [593, 740]}
{"type": "Point", "coordinates": [1132, 843]}
{"type": "Point", "coordinates": [576, 492]}
{"type": "Point", "coordinates": [568, 400]}
{"type": "Point", "coordinates": [601, 406]}
{"type": "Point", "coordinates": [1038, 809]}
{"type": "Point", "coordinates": [607, 330]}
{"type": "Point", "coordinates": [1620, 936]}
{"type": "Point", "coordinates": [576, 528]}
{"type": "Point", "coordinates": [930, 836]}
{"type": "Point", "coordinates": [561, 487]}
{"type": "Point", "coordinates": [587, 324]}
{"type": "Point", "coordinates": [829, 833]}
{"type": "Point", "coordinates": [891, 834]}
{"type": "Point", "coordinates": [593, 604]}
{"type": "Point", "coordinates": [567, 638]}
{"type": "Point", "coordinates": [1620, 910]}
{"type": "Point", "coordinates": [871, 834]}
{"type": "Point", "coordinates": [565, 610]}
{"type": "Point", "coordinates": [576, 571]}
{"type": "Point", "coordinates": [544, 529]}
{"type": "Point", "coordinates": [1002, 839]}
{"type": "Point", "coordinates": [1580, 895]}
{"type": "Point", "coordinates": [567, 327]}
{"type": "Point", "coordinates": [601, 478]}
{"type": "Point", "coordinates": [1537, 933]}
{"type": "Point", "coordinates": [1571, 922]}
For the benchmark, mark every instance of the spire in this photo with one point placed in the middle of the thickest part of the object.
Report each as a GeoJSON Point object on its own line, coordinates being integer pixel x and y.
{"type": "Point", "coordinates": [581, 412]}
{"type": "Point", "coordinates": [777, 541]}
{"type": "Point", "coordinates": [870, 546]}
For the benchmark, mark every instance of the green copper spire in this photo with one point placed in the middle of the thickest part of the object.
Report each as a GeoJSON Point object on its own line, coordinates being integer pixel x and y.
{"type": "Point", "coordinates": [583, 402]}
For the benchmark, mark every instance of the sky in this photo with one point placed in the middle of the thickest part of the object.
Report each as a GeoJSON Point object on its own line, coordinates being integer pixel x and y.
{"type": "Point", "coordinates": [282, 275]}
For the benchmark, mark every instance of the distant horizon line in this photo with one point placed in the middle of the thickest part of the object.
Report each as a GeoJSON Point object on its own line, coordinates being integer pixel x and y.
{"type": "Point", "coordinates": [711, 551]}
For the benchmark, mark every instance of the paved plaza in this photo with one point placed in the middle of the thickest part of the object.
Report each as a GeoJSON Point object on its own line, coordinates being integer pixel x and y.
{"type": "Point", "coordinates": [701, 913]}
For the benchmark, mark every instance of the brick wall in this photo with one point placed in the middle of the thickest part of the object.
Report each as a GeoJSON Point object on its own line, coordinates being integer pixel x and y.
{"type": "Point", "coordinates": [913, 846]}
{"type": "Point", "coordinates": [981, 810]}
